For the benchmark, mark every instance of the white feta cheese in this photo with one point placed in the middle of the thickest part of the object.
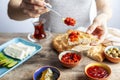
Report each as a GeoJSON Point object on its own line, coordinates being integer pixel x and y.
{"type": "Point", "coordinates": [19, 50]}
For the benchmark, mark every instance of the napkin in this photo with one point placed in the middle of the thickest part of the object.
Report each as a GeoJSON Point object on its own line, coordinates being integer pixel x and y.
{"type": "Point", "coordinates": [113, 37]}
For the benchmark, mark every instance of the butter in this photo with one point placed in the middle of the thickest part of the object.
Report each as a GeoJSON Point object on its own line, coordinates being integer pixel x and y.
{"type": "Point", "coordinates": [47, 75]}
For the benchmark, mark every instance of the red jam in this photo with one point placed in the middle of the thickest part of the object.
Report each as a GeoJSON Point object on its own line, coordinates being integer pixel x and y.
{"type": "Point", "coordinates": [97, 72]}
{"type": "Point", "coordinates": [98, 32]}
{"type": "Point", "coordinates": [70, 58]}
{"type": "Point", "coordinates": [39, 32]}
{"type": "Point", "coordinates": [73, 36]}
{"type": "Point", "coordinates": [70, 21]}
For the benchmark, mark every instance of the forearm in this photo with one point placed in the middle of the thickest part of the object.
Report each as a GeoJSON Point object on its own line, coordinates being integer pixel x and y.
{"type": "Point", "coordinates": [104, 9]}
{"type": "Point", "coordinates": [15, 12]}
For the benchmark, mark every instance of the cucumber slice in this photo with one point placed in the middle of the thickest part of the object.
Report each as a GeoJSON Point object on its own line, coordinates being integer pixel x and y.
{"type": "Point", "coordinates": [12, 64]}
{"type": "Point", "coordinates": [8, 61]}
{"type": "Point", "coordinates": [2, 56]}
{"type": "Point", "coordinates": [2, 62]}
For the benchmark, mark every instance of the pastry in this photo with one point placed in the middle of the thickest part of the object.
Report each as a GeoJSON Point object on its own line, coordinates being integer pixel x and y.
{"type": "Point", "coordinates": [73, 40]}
{"type": "Point", "coordinates": [96, 52]}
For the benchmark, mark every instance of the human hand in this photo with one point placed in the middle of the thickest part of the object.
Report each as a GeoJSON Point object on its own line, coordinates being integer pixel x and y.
{"type": "Point", "coordinates": [33, 8]}
{"type": "Point", "coordinates": [98, 28]}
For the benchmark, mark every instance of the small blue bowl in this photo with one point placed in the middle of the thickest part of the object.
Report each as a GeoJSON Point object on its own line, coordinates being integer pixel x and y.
{"type": "Point", "coordinates": [38, 72]}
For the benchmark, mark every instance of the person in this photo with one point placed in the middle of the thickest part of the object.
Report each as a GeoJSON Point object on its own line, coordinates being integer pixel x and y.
{"type": "Point", "coordinates": [81, 10]}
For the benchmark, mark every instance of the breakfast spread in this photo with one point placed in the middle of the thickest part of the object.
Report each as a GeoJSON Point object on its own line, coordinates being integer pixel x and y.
{"type": "Point", "coordinates": [70, 21]}
{"type": "Point", "coordinates": [18, 50]}
{"type": "Point", "coordinates": [73, 40]}
{"type": "Point", "coordinates": [6, 62]}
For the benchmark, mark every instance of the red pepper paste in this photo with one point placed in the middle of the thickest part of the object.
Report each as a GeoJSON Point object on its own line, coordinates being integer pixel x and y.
{"type": "Point", "coordinates": [97, 72]}
{"type": "Point", "coordinates": [73, 36]}
{"type": "Point", "coordinates": [70, 21]}
{"type": "Point", "coordinates": [70, 58]}
{"type": "Point", "coordinates": [39, 32]}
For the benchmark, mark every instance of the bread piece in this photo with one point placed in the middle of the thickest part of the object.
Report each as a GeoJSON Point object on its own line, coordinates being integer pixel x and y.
{"type": "Point", "coordinates": [96, 52]}
{"type": "Point", "coordinates": [80, 48]}
{"type": "Point", "coordinates": [80, 37]}
{"type": "Point", "coordinates": [62, 42]}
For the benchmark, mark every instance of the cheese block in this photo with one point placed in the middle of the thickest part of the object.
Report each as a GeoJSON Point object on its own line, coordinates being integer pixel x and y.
{"type": "Point", "coordinates": [18, 50]}
{"type": "Point", "coordinates": [28, 49]}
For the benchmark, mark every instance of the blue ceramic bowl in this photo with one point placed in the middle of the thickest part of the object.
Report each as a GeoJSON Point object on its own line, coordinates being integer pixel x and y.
{"type": "Point", "coordinates": [38, 73]}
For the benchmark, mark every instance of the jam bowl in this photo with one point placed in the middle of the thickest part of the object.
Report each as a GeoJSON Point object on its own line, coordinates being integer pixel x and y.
{"type": "Point", "coordinates": [97, 71]}
{"type": "Point", "coordinates": [47, 73]}
{"type": "Point", "coordinates": [69, 58]}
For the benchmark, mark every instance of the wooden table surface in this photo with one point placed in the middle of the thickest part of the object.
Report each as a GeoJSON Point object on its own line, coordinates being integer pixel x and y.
{"type": "Point", "coordinates": [47, 56]}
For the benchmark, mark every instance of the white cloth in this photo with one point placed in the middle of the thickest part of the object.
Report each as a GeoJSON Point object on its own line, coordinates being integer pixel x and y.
{"type": "Point", "coordinates": [113, 37]}
{"type": "Point", "coordinates": [81, 10]}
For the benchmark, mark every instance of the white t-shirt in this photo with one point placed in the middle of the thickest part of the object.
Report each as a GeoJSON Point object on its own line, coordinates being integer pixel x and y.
{"type": "Point", "coordinates": [81, 10]}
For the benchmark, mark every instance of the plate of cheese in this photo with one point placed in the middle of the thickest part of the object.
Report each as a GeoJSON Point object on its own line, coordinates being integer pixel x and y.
{"type": "Point", "coordinates": [14, 52]}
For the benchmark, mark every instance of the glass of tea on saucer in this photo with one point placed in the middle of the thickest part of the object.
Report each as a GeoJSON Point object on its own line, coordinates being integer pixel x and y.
{"type": "Point", "coordinates": [39, 34]}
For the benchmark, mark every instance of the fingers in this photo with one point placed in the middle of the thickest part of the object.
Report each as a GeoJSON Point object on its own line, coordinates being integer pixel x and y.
{"type": "Point", "coordinates": [102, 33]}
{"type": "Point", "coordinates": [33, 8]}
{"type": "Point", "coordinates": [35, 2]}
{"type": "Point", "coordinates": [91, 28]}
{"type": "Point", "coordinates": [99, 31]}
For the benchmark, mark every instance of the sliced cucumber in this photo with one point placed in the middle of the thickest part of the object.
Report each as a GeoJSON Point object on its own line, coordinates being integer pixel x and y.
{"type": "Point", "coordinates": [12, 64]}
{"type": "Point", "coordinates": [2, 62]}
{"type": "Point", "coordinates": [6, 62]}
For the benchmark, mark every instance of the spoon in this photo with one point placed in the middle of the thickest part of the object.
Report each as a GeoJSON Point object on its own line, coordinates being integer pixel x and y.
{"type": "Point", "coordinates": [50, 8]}
{"type": "Point", "coordinates": [68, 20]}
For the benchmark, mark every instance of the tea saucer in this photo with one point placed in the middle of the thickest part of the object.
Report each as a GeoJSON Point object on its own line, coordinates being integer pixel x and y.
{"type": "Point", "coordinates": [31, 37]}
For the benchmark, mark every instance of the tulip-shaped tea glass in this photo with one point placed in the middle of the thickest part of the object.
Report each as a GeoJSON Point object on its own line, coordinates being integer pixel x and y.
{"type": "Point", "coordinates": [39, 34]}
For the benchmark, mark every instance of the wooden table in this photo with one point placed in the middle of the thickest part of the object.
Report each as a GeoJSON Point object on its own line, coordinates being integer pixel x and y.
{"type": "Point", "coordinates": [47, 56]}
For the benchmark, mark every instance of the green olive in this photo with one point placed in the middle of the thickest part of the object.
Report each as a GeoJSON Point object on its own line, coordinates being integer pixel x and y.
{"type": "Point", "coordinates": [113, 52]}
{"type": "Point", "coordinates": [108, 52]}
{"type": "Point", "coordinates": [115, 55]}
{"type": "Point", "coordinates": [110, 49]}
{"type": "Point", "coordinates": [119, 52]}
{"type": "Point", "coordinates": [116, 49]}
